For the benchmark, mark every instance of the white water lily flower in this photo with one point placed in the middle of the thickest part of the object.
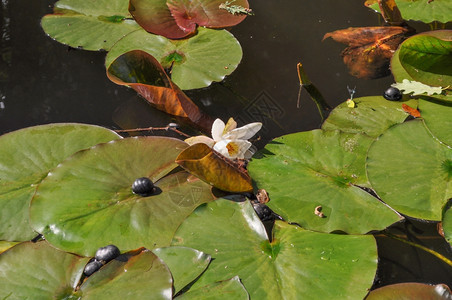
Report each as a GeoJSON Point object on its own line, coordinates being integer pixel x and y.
{"type": "Point", "coordinates": [228, 140]}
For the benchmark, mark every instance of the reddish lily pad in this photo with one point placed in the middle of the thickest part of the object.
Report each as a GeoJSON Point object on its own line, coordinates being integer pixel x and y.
{"type": "Point", "coordinates": [179, 18]}
{"type": "Point", "coordinates": [87, 202]}
{"type": "Point", "coordinates": [410, 290]}
{"type": "Point", "coordinates": [26, 156]}
{"type": "Point", "coordinates": [144, 74]}
{"type": "Point", "coordinates": [200, 160]}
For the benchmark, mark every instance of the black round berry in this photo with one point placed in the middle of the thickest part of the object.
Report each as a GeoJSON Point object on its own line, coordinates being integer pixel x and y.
{"type": "Point", "coordinates": [107, 253]}
{"type": "Point", "coordinates": [92, 267]}
{"type": "Point", "coordinates": [143, 186]}
{"type": "Point", "coordinates": [392, 94]}
{"type": "Point", "coordinates": [263, 211]}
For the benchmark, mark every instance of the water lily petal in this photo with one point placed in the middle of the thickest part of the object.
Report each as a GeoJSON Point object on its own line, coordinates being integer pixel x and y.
{"type": "Point", "coordinates": [230, 125]}
{"type": "Point", "coordinates": [232, 148]}
{"type": "Point", "coordinates": [217, 130]}
{"type": "Point", "coordinates": [244, 133]}
{"type": "Point", "coordinates": [200, 139]}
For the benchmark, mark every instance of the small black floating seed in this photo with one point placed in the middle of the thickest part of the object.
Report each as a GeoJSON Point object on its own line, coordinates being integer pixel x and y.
{"type": "Point", "coordinates": [107, 253]}
{"type": "Point", "coordinates": [143, 186]}
{"type": "Point", "coordinates": [92, 267]}
{"type": "Point", "coordinates": [263, 211]}
{"type": "Point", "coordinates": [392, 94]}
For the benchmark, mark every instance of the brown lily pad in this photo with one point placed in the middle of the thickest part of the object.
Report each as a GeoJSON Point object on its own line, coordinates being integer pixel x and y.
{"type": "Point", "coordinates": [369, 49]}
{"type": "Point", "coordinates": [143, 73]}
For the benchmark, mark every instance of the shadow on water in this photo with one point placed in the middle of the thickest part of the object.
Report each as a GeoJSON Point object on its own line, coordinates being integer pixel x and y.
{"type": "Point", "coordinates": [42, 81]}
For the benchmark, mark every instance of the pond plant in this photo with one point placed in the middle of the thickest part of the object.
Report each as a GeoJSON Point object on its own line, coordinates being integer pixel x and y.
{"type": "Point", "coordinates": [88, 213]}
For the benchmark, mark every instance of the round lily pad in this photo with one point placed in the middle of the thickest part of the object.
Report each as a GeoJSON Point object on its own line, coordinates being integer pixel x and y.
{"type": "Point", "coordinates": [371, 115]}
{"type": "Point", "coordinates": [437, 118]}
{"type": "Point", "coordinates": [26, 156]}
{"type": "Point", "coordinates": [196, 62]}
{"type": "Point", "coordinates": [39, 271]}
{"type": "Point", "coordinates": [324, 170]}
{"type": "Point", "coordinates": [427, 57]}
{"type": "Point", "coordinates": [87, 201]}
{"type": "Point", "coordinates": [90, 25]}
{"type": "Point", "coordinates": [295, 265]}
{"type": "Point", "coordinates": [411, 171]}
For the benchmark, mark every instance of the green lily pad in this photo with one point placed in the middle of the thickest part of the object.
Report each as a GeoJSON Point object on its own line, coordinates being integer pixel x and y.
{"type": "Point", "coordinates": [297, 264]}
{"type": "Point", "coordinates": [371, 116]}
{"type": "Point", "coordinates": [411, 171]}
{"type": "Point", "coordinates": [397, 69]}
{"type": "Point", "coordinates": [425, 11]}
{"type": "Point", "coordinates": [221, 290]}
{"type": "Point", "coordinates": [39, 271]}
{"type": "Point", "coordinates": [437, 118]}
{"type": "Point", "coordinates": [427, 57]}
{"type": "Point", "coordinates": [447, 222]}
{"type": "Point", "coordinates": [139, 274]}
{"type": "Point", "coordinates": [91, 25]}
{"type": "Point", "coordinates": [196, 62]}
{"type": "Point", "coordinates": [87, 202]}
{"type": "Point", "coordinates": [410, 290]}
{"type": "Point", "coordinates": [305, 170]}
{"type": "Point", "coordinates": [26, 156]}
{"type": "Point", "coordinates": [185, 264]}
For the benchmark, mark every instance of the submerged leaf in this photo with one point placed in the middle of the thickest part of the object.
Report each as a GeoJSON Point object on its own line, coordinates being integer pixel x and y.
{"type": "Point", "coordinates": [200, 160]}
{"type": "Point", "coordinates": [144, 74]}
{"type": "Point", "coordinates": [179, 18]}
{"type": "Point", "coordinates": [369, 49]}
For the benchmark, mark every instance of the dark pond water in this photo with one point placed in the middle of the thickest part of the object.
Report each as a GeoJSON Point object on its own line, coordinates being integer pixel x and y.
{"type": "Point", "coordinates": [42, 81]}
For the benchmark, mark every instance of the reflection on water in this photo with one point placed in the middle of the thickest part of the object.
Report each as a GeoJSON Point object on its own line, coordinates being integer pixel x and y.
{"type": "Point", "coordinates": [48, 82]}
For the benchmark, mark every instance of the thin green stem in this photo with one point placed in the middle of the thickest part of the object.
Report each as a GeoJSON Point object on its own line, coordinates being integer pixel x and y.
{"type": "Point", "coordinates": [432, 252]}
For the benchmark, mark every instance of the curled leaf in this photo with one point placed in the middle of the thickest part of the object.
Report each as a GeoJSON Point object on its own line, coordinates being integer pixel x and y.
{"type": "Point", "coordinates": [142, 72]}
{"type": "Point", "coordinates": [369, 49]}
{"type": "Point", "coordinates": [215, 169]}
